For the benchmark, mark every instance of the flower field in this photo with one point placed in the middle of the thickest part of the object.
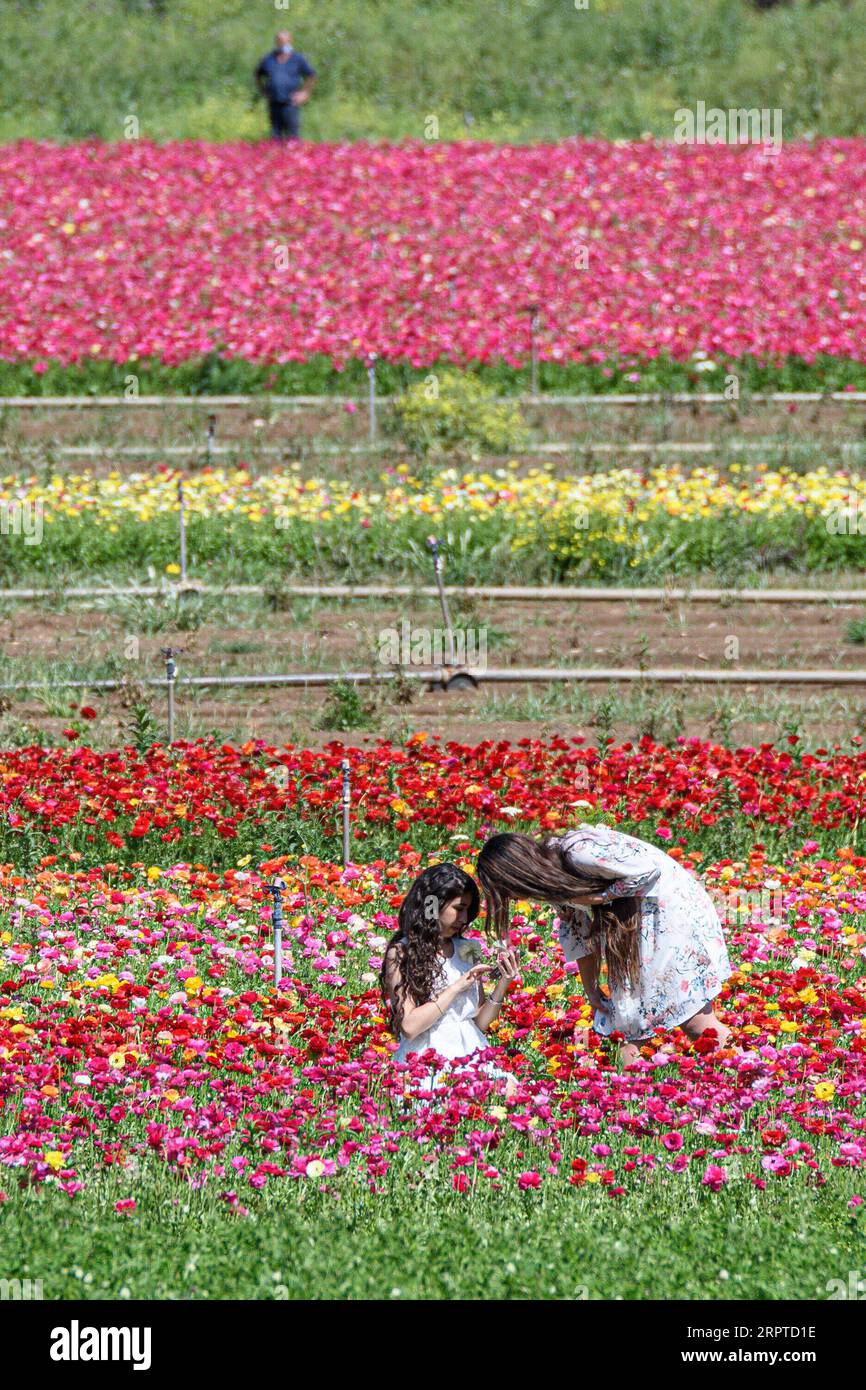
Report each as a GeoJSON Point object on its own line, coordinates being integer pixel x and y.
{"type": "Point", "coordinates": [147, 1062]}
{"type": "Point", "coordinates": [630, 522]}
{"type": "Point", "coordinates": [175, 1123]}
{"type": "Point", "coordinates": [141, 1029]}
{"type": "Point", "coordinates": [421, 253]}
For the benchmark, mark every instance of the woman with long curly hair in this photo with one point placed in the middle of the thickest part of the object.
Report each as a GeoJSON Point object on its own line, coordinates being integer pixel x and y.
{"type": "Point", "coordinates": [432, 975]}
{"type": "Point", "coordinates": [626, 904]}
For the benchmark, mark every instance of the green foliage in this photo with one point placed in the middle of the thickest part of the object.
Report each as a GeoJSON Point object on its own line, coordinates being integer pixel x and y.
{"type": "Point", "coordinates": [456, 411]}
{"type": "Point", "coordinates": [317, 376]}
{"type": "Point", "coordinates": [520, 545]}
{"type": "Point", "coordinates": [485, 69]}
{"type": "Point", "coordinates": [141, 728]}
{"type": "Point", "coordinates": [345, 709]}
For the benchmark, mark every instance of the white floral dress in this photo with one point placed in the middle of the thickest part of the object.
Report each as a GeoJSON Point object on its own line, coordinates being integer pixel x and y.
{"type": "Point", "coordinates": [684, 959]}
{"type": "Point", "coordinates": [455, 1034]}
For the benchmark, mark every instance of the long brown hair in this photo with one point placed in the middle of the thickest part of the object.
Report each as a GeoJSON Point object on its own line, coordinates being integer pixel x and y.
{"type": "Point", "coordinates": [414, 947]}
{"type": "Point", "coordinates": [513, 866]}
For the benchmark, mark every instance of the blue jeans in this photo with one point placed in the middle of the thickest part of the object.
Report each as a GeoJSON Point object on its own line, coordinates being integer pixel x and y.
{"type": "Point", "coordinates": [285, 120]}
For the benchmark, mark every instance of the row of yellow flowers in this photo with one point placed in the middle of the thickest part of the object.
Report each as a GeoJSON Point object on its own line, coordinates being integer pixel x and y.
{"type": "Point", "coordinates": [639, 494]}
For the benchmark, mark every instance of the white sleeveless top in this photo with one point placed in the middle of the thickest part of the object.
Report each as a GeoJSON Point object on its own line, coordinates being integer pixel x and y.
{"type": "Point", "coordinates": [456, 1034]}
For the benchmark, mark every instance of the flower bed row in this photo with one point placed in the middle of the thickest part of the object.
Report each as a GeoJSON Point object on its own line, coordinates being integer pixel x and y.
{"type": "Point", "coordinates": [623, 522]}
{"type": "Point", "coordinates": [420, 253]}
{"type": "Point", "coordinates": [214, 804]}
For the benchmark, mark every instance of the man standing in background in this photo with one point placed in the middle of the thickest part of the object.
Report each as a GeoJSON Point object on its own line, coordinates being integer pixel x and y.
{"type": "Point", "coordinates": [286, 79]}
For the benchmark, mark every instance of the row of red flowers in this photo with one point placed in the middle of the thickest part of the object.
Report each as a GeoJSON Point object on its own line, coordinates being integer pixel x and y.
{"type": "Point", "coordinates": [126, 802]}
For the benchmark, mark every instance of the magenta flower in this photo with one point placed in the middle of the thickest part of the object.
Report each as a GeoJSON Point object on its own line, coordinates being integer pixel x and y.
{"type": "Point", "coordinates": [528, 1180]}
{"type": "Point", "coordinates": [714, 1177]}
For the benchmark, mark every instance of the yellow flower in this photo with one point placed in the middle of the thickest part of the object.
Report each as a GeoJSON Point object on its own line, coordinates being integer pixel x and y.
{"type": "Point", "coordinates": [54, 1159]}
{"type": "Point", "coordinates": [824, 1090]}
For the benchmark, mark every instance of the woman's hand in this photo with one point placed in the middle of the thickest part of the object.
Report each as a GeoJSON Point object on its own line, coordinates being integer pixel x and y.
{"type": "Point", "coordinates": [597, 1000]}
{"type": "Point", "coordinates": [472, 977]}
{"type": "Point", "coordinates": [508, 966]}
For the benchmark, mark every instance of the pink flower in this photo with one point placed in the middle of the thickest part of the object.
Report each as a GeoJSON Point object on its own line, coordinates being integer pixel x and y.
{"type": "Point", "coordinates": [673, 1140]}
{"type": "Point", "coordinates": [74, 292]}
{"type": "Point", "coordinates": [125, 1204]}
{"type": "Point", "coordinates": [527, 1180]}
{"type": "Point", "coordinates": [714, 1177]}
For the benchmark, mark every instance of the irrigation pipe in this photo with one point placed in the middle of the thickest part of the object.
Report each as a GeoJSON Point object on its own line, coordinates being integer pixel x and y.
{"type": "Point", "coordinates": [518, 593]}
{"type": "Point", "coordinates": [507, 675]}
{"type": "Point", "coordinates": [576, 446]}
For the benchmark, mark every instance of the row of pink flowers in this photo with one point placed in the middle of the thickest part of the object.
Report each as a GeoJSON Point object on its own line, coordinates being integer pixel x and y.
{"type": "Point", "coordinates": [422, 251]}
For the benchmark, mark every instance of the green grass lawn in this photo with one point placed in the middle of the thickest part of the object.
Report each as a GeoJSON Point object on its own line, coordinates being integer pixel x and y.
{"type": "Point", "coordinates": [788, 1243]}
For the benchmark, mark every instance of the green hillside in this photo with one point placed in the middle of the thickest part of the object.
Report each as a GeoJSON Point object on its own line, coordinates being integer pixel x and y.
{"type": "Point", "coordinates": [490, 69]}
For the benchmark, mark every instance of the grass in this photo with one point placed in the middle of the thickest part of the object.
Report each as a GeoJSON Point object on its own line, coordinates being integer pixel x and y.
{"type": "Point", "coordinates": [618, 68]}
{"type": "Point", "coordinates": [583, 1246]}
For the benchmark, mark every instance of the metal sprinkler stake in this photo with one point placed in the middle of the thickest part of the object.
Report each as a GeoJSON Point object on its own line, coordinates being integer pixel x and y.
{"type": "Point", "coordinates": [533, 347]}
{"type": "Point", "coordinates": [371, 373]}
{"type": "Point", "coordinates": [276, 889]}
{"type": "Point", "coordinates": [446, 615]}
{"type": "Point", "coordinates": [170, 675]}
{"type": "Point", "coordinates": [346, 802]}
{"type": "Point", "coordinates": [211, 432]}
